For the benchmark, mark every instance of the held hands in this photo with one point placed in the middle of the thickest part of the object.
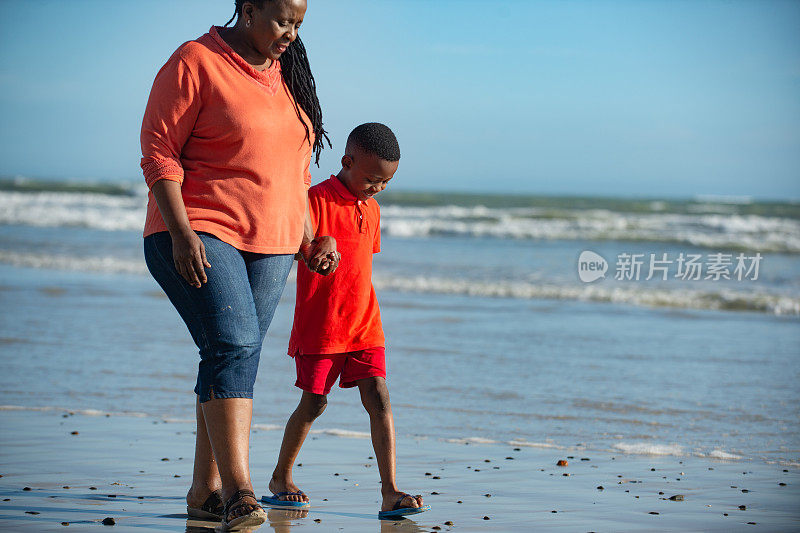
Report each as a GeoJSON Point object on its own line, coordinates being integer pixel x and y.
{"type": "Point", "coordinates": [189, 256]}
{"type": "Point", "coordinates": [320, 255]}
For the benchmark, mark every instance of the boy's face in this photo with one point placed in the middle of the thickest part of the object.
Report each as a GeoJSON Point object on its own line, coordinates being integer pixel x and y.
{"type": "Point", "coordinates": [365, 175]}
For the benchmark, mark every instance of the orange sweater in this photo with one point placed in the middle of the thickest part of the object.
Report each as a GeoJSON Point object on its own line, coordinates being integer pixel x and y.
{"type": "Point", "coordinates": [230, 136]}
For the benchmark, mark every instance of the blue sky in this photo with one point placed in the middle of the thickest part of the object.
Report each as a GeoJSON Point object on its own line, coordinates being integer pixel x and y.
{"type": "Point", "coordinates": [639, 98]}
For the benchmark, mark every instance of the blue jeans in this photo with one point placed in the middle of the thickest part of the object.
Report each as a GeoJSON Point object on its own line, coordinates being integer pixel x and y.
{"type": "Point", "coordinates": [227, 317]}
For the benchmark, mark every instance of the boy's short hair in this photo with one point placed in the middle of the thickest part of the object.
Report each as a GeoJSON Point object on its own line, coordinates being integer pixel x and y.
{"type": "Point", "coordinates": [375, 138]}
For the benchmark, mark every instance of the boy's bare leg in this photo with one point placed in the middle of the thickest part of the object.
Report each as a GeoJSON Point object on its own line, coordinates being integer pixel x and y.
{"type": "Point", "coordinates": [375, 398]}
{"type": "Point", "coordinates": [310, 407]}
{"type": "Point", "coordinates": [205, 479]}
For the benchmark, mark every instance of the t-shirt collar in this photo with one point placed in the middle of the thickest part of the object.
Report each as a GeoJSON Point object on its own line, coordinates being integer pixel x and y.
{"type": "Point", "coordinates": [342, 190]}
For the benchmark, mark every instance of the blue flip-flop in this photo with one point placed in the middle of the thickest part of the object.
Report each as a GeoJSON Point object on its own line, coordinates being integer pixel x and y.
{"type": "Point", "coordinates": [401, 511]}
{"type": "Point", "coordinates": [275, 500]}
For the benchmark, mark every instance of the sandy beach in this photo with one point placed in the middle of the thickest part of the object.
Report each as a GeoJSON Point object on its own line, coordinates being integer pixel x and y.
{"type": "Point", "coordinates": [63, 471]}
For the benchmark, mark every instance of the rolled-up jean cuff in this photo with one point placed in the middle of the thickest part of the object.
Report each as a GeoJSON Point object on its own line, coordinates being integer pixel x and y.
{"type": "Point", "coordinates": [224, 395]}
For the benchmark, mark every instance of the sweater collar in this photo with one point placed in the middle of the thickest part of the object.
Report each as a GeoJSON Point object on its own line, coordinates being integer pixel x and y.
{"type": "Point", "coordinates": [269, 77]}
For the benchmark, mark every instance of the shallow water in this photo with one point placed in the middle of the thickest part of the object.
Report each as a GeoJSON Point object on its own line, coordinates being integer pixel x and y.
{"type": "Point", "coordinates": [553, 373]}
{"type": "Point", "coordinates": [489, 338]}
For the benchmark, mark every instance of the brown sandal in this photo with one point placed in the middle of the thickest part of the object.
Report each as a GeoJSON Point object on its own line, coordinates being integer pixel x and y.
{"type": "Point", "coordinates": [255, 517]}
{"type": "Point", "coordinates": [212, 508]}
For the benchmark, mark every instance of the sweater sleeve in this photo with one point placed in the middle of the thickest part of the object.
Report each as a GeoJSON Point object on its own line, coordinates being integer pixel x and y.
{"type": "Point", "coordinates": [169, 118]}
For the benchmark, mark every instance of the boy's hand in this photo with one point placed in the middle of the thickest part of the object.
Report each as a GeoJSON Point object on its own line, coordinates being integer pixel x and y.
{"type": "Point", "coordinates": [321, 255]}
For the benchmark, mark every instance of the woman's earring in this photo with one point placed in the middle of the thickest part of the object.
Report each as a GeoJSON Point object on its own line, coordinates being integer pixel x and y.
{"type": "Point", "coordinates": [248, 24]}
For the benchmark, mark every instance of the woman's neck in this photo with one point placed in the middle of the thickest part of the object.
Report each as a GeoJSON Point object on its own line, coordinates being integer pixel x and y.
{"type": "Point", "coordinates": [236, 39]}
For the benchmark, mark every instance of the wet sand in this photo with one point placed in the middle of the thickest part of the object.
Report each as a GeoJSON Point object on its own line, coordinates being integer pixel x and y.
{"type": "Point", "coordinates": [136, 470]}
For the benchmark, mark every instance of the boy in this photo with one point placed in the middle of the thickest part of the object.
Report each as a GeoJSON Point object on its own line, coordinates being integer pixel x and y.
{"type": "Point", "coordinates": [337, 327]}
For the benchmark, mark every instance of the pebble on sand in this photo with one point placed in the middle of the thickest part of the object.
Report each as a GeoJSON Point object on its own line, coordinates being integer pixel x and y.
{"type": "Point", "coordinates": [652, 512]}
{"type": "Point", "coordinates": [74, 433]}
{"type": "Point", "coordinates": [488, 495]}
{"type": "Point", "coordinates": [165, 458]}
{"type": "Point", "coordinates": [436, 477]}
{"type": "Point", "coordinates": [677, 498]}
{"type": "Point", "coordinates": [600, 487]}
{"type": "Point", "coordinates": [449, 523]}
{"type": "Point", "coordinates": [742, 507]}
{"type": "Point", "coordinates": [317, 520]}
{"type": "Point", "coordinates": [486, 518]}
{"type": "Point", "coordinates": [562, 462]}
{"type": "Point", "coordinates": [26, 489]}
{"type": "Point", "coordinates": [108, 521]}
{"type": "Point", "coordinates": [64, 523]}
{"type": "Point", "coordinates": [459, 501]}
{"type": "Point", "coordinates": [92, 488]}
{"type": "Point", "coordinates": [782, 484]}
{"type": "Point", "coordinates": [31, 512]}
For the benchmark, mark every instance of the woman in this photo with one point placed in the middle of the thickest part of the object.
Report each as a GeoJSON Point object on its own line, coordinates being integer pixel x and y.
{"type": "Point", "coordinates": [227, 138]}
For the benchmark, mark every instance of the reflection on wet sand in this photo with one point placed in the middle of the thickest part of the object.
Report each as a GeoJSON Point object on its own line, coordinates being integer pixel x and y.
{"type": "Point", "coordinates": [196, 525]}
{"type": "Point", "coordinates": [281, 519]}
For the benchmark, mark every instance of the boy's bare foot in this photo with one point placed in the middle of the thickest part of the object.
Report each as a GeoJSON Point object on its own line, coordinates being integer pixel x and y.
{"type": "Point", "coordinates": [390, 500]}
{"type": "Point", "coordinates": [277, 485]}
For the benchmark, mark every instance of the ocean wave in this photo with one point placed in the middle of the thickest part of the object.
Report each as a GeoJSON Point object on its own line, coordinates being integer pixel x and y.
{"type": "Point", "coordinates": [719, 229]}
{"type": "Point", "coordinates": [472, 440]}
{"type": "Point", "coordinates": [646, 448]}
{"type": "Point", "coordinates": [720, 300]}
{"type": "Point", "coordinates": [721, 454]}
{"type": "Point", "coordinates": [344, 433]}
{"type": "Point", "coordinates": [102, 264]}
{"type": "Point", "coordinates": [716, 231]}
{"type": "Point", "coordinates": [629, 448]}
{"type": "Point", "coordinates": [723, 299]}
{"type": "Point", "coordinates": [85, 210]}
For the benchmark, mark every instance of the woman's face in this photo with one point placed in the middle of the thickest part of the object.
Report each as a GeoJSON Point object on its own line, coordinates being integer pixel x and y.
{"type": "Point", "coordinates": [274, 26]}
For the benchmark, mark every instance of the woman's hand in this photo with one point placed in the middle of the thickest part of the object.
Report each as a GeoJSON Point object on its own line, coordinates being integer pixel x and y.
{"type": "Point", "coordinates": [320, 255]}
{"type": "Point", "coordinates": [189, 256]}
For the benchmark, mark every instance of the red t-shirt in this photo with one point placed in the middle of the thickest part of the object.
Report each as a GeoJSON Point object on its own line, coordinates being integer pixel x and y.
{"type": "Point", "coordinates": [339, 313]}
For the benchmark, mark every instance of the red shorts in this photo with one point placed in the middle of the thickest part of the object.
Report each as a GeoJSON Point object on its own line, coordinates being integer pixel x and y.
{"type": "Point", "coordinates": [318, 373]}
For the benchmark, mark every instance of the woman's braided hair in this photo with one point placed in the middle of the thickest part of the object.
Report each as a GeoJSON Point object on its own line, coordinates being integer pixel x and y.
{"type": "Point", "coordinates": [296, 73]}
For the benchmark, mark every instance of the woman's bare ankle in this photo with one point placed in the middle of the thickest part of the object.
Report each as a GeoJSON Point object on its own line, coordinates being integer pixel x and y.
{"type": "Point", "coordinates": [199, 493]}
